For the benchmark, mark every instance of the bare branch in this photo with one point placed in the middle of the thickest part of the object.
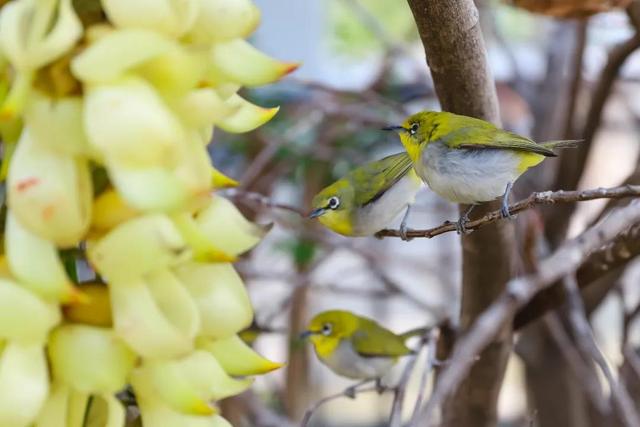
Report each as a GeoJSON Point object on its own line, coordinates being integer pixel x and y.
{"type": "Point", "coordinates": [607, 259]}
{"type": "Point", "coordinates": [350, 392]}
{"type": "Point", "coordinates": [257, 198]}
{"type": "Point", "coordinates": [582, 371]}
{"type": "Point", "coordinates": [588, 345]}
{"type": "Point", "coordinates": [572, 165]}
{"type": "Point", "coordinates": [540, 198]}
{"type": "Point", "coordinates": [431, 363]}
{"type": "Point", "coordinates": [395, 418]}
{"type": "Point", "coordinates": [563, 262]}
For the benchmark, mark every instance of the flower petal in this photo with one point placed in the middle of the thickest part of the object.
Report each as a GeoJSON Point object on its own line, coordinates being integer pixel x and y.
{"type": "Point", "coordinates": [35, 262]}
{"type": "Point", "coordinates": [220, 295]}
{"type": "Point", "coordinates": [151, 329]}
{"type": "Point", "coordinates": [116, 53]}
{"type": "Point", "coordinates": [188, 384]}
{"type": "Point", "coordinates": [224, 20]}
{"type": "Point", "coordinates": [23, 316]}
{"type": "Point", "coordinates": [223, 224]}
{"type": "Point", "coordinates": [90, 359]}
{"type": "Point", "coordinates": [24, 383]}
{"type": "Point", "coordinates": [238, 61]}
{"type": "Point", "coordinates": [128, 123]}
{"type": "Point", "coordinates": [172, 17]}
{"type": "Point", "coordinates": [137, 247]}
{"type": "Point", "coordinates": [236, 357]}
{"type": "Point", "coordinates": [110, 210]}
{"type": "Point", "coordinates": [50, 192]}
{"type": "Point", "coordinates": [57, 124]}
{"type": "Point", "coordinates": [247, 117]}
{"type": "Point", "coordinates": [30, 40]}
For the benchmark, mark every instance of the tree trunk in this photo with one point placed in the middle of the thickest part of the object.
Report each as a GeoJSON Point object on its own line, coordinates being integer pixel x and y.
{"type": "Point", "coordinates": [296, 399]}
{"type": "Point", "coordinates": [456, 57]}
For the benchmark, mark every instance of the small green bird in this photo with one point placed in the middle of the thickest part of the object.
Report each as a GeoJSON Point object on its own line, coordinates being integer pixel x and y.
{"type": "Point", "coordinates": [354, 346]}
{"type": "Point", "coordinates": [468, 160]}
{"type": "Point", "coordinates": [368, 198]}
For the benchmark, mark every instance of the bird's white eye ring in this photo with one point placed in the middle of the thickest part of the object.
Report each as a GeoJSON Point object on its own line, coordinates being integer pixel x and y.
{"type": "Point", "coordinates": [334, 202]}
{"type": "Point", "coordinates": [414, 128]}
{"type": "Point", "coordinates": [326, 329]}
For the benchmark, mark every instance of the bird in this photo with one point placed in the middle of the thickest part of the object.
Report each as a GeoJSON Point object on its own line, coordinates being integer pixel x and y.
{"type": "Point", "coordinates": [468, 160]}
{"type": "Point", "coordinates": [355, 346]}
{"type": "Point", "coordinates": [368, 198]}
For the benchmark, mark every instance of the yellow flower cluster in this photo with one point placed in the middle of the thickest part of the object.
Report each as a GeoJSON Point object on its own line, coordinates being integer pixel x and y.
{"type": "Point", "coordinates": [133, 87]}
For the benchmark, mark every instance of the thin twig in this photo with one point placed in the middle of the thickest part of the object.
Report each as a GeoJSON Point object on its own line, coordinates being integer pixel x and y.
{"type": "Point", "coordinates": [583, 372]}
{"type": "Point", "coordinates": [520, 290]}
{"type": "Point", "coordinates": [348, 392]}
{"type": "Point", "coordinates": [633, 360]}
{"type": "Point", "coordinates": [586, 342]}
{"type": "Point", "coordinates": [395, 418]}
{"type": "Point", "coordinates": [540, 198]}
{"type": "Point", "coordinates": [250, 196]}
{"type": "Point", "coordinates": [629, 317]}
{"type": "Point", "coordinates": [430, 364]}
{"type": "Point", "coordinates": [571, 166]}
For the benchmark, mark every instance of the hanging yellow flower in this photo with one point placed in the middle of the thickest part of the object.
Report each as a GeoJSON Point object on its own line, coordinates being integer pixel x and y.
{"type": "Point", "coordinates": [135, 87]}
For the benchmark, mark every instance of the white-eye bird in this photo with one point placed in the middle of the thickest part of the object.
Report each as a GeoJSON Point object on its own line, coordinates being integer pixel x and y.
{"type": "Point", "coordinates": [368, 198]}
{"type": "Point", "coordinates": [355, 346]}
{"type": "Point", "coordinates": [468, 160]}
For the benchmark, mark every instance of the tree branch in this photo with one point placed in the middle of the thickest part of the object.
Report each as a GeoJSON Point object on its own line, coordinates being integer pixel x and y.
{"type": "Point", "coordinates": [540, 198]}
{"type": "Point", "coordinates": [571, 165]}
{"type": "Point", "coordinates": [432, 361]}
{"type": "Point", "coordinates": [350, 392]}
{"type": "Point", "coordinates": [395, 419]}
{"type": "Point", "coordinates": [587, 345]}
{"type": "Point", "coordinates": [457, 59]}
{"type": "Point", "coordinates": [615, 254]}
{"type": "Point", "coordinates": [563, 262]}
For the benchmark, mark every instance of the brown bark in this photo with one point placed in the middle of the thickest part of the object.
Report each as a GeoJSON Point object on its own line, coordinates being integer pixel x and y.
{"type": "Point", "coordinates": [549, 377]}
{"type": "Point", "coordinates": [456, 57]}
{"type": "Point", "coordinates": [296, 397]}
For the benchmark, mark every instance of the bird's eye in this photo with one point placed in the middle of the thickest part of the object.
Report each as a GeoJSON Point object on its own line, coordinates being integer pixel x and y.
{"type": "Point", "coordinates": [334, 202]}
{"type": "Point", "coordinates": [326, 329]}
{"type": "Point", "coordinates": [414, 128]}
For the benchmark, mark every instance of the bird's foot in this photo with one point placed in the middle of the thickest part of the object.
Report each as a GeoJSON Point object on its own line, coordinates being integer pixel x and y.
{"type": "Point", "coordinates": [463, 220]}
{"type": "Point", "coordinates": [461, 225]}
{"type": "Point", "coordinates": [403, 232]}
{"type": "Point", "coordinates": [403, 225]}
{"type": "Point", "coordinates": [350, 392]}
{"type": "Point", "coordinates": [380, 388]}
{"type": "Point", "coordinates": [504, 212]}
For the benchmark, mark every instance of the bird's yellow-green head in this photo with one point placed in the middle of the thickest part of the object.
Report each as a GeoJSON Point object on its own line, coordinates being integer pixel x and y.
{"type": "Point", "coordinates": [334, 205]}
{"type": "Point", "coordinates": [418, 130]}
{"type": "Point", "coordinates": [327, 329]}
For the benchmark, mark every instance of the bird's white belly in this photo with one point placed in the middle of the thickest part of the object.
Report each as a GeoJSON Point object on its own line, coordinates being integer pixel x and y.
{"type": "Point", "coordinates": [346, 362]}
{"type": "Point", "coordinates": [378, 215]}
{"type": "Point", "coordinates": [468, 176]}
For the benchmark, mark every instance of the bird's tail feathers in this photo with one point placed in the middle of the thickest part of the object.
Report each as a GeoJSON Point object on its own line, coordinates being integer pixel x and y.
{"type": "Point", "coordinates": [564, 143]}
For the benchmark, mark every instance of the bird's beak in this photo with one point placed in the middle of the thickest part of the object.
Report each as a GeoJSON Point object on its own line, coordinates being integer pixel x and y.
{"type": "Point", "coordinates": [395, 128]}
{"type": "Point", "coordinates": [317, 212]}
{"type": "Point", "coordinates": [306, 334]}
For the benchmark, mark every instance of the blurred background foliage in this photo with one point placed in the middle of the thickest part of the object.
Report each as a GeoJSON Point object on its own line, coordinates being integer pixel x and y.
{"type": "Point", "coordinates": [363, 68]}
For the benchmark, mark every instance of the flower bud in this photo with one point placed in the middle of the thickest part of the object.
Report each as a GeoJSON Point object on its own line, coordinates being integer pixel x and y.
{"type": "Point", "coordinates": [220, 295]}
{"type": "Point", "coordinates": [90, 359]}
